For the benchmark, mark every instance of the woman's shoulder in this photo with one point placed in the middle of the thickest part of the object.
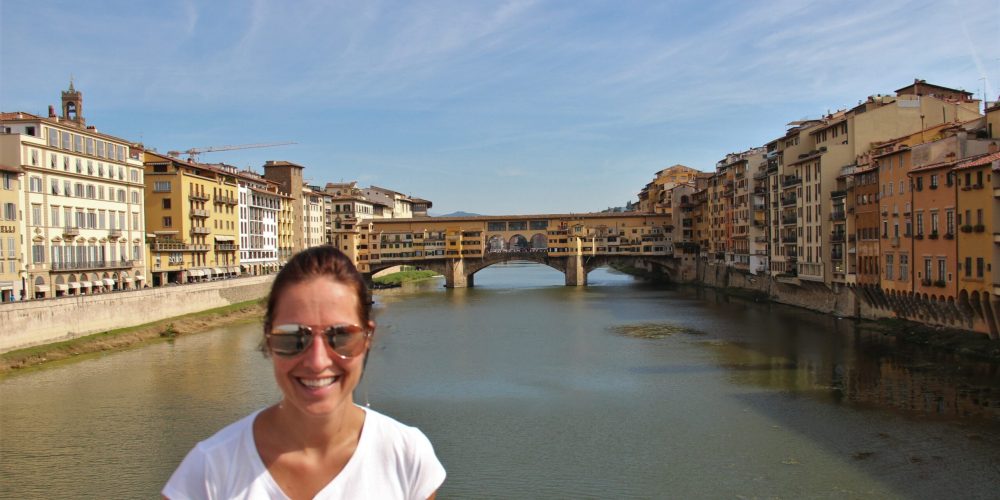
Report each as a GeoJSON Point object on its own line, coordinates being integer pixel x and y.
{"type": "Point", "coordinates": [388, 430]}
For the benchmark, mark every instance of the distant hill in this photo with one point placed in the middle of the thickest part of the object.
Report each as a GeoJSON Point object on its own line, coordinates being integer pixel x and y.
{"type": "Point", "coordinates": [457, 214]}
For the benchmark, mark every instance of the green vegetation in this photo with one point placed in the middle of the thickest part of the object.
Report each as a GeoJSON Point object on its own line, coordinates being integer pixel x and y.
{"type": "Point", "coordinates": [404, 277]}
{"type": "Point", "coordinates": [653, 330]}
{"type": "Point", "coordinates": [124, 338]}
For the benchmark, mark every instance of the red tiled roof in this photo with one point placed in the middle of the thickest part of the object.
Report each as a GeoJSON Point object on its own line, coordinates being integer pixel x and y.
{"type": "Point", "coordinates": [934, 166]}
{"type": "Point", "coordinates": [979, 162]}
{"type": "Point", "coordinates": [17, 115]}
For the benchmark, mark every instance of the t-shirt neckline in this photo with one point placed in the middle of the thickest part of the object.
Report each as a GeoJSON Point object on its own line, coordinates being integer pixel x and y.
{"type": "Point", "coordinates": [261, 468]}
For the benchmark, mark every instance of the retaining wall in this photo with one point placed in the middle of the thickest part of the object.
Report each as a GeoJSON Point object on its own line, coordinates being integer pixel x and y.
{"type": "Point", "coordinates": [37, 322]}
{"type": "Point", "coordinates": [857, 302]}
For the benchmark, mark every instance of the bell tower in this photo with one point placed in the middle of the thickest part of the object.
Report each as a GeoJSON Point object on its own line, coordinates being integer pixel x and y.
{"type": "Point", "coordinates": [72, 105]}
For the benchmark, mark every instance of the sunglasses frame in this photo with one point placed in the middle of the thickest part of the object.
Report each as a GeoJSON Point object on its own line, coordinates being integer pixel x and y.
{"type": "Point", "coordinates": [306, 335]}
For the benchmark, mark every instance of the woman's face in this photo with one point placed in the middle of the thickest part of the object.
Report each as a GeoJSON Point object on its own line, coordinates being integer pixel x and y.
{"type": "Point", "coordinates": [317, 381]}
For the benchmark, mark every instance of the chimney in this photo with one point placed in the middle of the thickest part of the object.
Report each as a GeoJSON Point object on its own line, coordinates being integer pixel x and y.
{"type": "Point", "coordinates": [52, 111]}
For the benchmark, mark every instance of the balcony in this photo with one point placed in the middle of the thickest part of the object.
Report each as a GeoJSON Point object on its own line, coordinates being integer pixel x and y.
{"type": "Point", "coordinates": [789, 219]}
{"type": "Point", "coordinates": [791, 181]}
{"type": "Point", "coordinates": [788, 200]}
{"type": "Point", "coordinates": [115, 233]}
{"type": "Point", "coordinates": [838, 194]}
{"type": "Point", "coordinates": [92, 264]}
{"type": "Point", "coordinates": [200, 230]}
{"type": "Point", "coordinates": [226, 200]}
{"type": "Point", "coordinates": [838, 215]}
{"type": "Point", "coordinates": [198, 197]}
{"type": "Point", "coordinates": [203, 214]}
{"type": "Point", "coordinates": [226, 247]}
{"type": "Point", "coordinates": [71, 231]}
{"type": "Point", "coordinates": [789, 239]}
{"type": "Point", "coordinates": [837, 237]}
{"type": "Point", "coordinates": [894, 241]}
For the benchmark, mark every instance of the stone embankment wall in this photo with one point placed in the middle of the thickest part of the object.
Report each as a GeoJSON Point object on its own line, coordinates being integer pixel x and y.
{"type": "Point", "coordinates": [857, 302]}
{"type": "Point", "coordinates": [37, 322]}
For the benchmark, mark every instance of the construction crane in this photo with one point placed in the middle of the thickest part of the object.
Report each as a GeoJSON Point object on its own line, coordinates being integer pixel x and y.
{"type": "Point", "coordinates": [194, 152]}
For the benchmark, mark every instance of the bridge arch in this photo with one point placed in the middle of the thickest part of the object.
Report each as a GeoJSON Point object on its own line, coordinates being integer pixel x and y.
{"type": "Point", "coordinates": [518, 243]}
{"type": "Point", "coordinates": [496, 243]}
{"type": "Point", "coordinates": [539, 241]}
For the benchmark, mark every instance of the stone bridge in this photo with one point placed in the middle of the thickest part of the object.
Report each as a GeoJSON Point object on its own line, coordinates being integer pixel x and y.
{"type": "Point", "coordinates": [459, 247]}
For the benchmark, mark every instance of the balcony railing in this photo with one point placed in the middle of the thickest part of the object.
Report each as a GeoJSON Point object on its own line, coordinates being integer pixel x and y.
{"type": "Point", "coordinates": [177, 246]}
{"type": "Point", "coordinates": [839, 193]}
{"type": "Point", "coordinates": [228, 200]}
{"type": "Point", "coordinates": [788, 219]}
{"type": "Point", "coordinates": [791, 181]}
{"type": "Point", "coordinates": [838, 216]}
{"type": "Point", "coordinates": [198, 197]}
{"type": "Point", "coordinates": [71, 231]}
{"type": "Point", "coordinates": [837, 237]}
{"type": "Point", "coordinates": [788, 239]}
{"type": "Point", "coordinates": [226, 247]}
{"type": "Point", "coordinates": [199, 213]}
{"type": "Point", "coordinates": [92, 264]}
{"type": "Point", "coordinates": [200, 230]}
{"type": "Point", "coordinates": [788, 200]}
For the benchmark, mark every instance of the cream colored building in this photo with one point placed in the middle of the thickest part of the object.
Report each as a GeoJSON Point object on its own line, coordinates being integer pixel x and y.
{"type": "Point", "coordinates": [82, 203]}
{"type": "Point", "coordinates": [260, 203]}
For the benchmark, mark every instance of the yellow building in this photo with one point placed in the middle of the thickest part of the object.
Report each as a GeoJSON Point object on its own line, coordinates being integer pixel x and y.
{"type": "Point", "coordinates": [977, 208]}
{"type": "Point", "coordinates": [11, 261]}
{"type": "Point", "coordinates": [82, 203]}
{"type": "Point", "coordinates": [192, 220]}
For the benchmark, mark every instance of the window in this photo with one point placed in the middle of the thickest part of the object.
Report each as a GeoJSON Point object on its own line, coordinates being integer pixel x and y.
{"type": "Point", "coordinates": [35, 184]}
{"type": "Point", "coordinates": [168, 222]}
{"type": "Point", "coordinates": [161, 186]}
{"type": "Point", "coordinates": [934, 223]}
{"type": "Point", "coordinates": [121, 195]}
{"type": "Point", "coordinates": [942, 269]}
{"type": "Point", "coordinates": [135, 197]}
{"type": "Point", "coordinates": [55, 217]}
{"type": "Point", "coordinates": [91, 192]}
{"type": "Point", "coordinates": [54, 183]}
{"type": "Point", "coordinates": [888, 267]}
{"type": "Point", "coordinates": [37, 254]}
{"type": "Point", "coordinates": [904, 267]}
{"type": "Point", "coordinates": [36, 215]}
{"type": "Point", "coordinates": [100, 149]}
{"type": "Point", "coordinates": [91, 220]}
{"type": "Point", "coordinates": [968, 267]}
{"type": "Point", "coordinates": [920, 223]}
{"type": "Point", "coordinates": [980, 265]}
{"type": "Point", "coordinates": [928, 268]}
{"type": "Point", "coordinates": [919, 180]}
{"type": "Point", "coordinates": [934, 181]}
{"type": "Point", "coordinates": [949, 220]}
{"type": "Point", "coordinates": [166, 203]}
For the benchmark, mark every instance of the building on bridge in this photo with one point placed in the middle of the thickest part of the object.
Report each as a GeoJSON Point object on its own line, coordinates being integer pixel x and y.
{"type": "Point", "coordinates": [458, 247]}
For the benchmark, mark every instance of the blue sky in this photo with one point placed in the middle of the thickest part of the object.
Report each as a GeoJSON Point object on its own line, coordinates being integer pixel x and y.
{"type": "Point", "coordinates": [489, 107]}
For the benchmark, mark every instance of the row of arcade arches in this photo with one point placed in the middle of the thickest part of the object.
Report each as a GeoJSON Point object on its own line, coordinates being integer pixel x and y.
{"type": "Point", "coordinates": [517, 243]}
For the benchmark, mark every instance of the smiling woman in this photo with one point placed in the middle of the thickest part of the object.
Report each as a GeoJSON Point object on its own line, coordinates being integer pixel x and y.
{"type": "Point", "coordinates": [315, 443]}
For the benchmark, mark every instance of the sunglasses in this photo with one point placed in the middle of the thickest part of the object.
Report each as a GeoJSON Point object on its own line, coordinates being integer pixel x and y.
{"type": "Point", "coordinates": [291, 340]}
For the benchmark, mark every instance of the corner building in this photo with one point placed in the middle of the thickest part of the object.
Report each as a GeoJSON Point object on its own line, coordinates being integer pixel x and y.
{"type": "Point", "coordinates": [81, 205]}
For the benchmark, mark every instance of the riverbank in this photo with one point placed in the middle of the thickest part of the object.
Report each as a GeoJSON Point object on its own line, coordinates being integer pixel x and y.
{"type": "Point", "coordinates": [401, 277]}
{"type": "Point", "coordinates": [963, 343]}
{"type": "Point", "coordinates": [127, 338]}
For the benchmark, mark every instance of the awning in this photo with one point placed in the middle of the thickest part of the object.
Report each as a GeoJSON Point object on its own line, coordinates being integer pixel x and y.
{"type": "Point", "coordinates": [129, 280]}
{"type": "Point", "coordinates": [237, 271]}
{"type": "Point", "coordinates": [140, 277]}
{"type": "Point", "coordinates": [244, 267]}
{"type": "Point", "coordinates": [41, 288]}
{"type": "Point", "coordinates": [109, 282]}
{"type": "Point", "coordinates": [62, 288]}
{"type": "Point", "coordinates": [74, 284]}
{"type": "Point", "coordinates": [85, 284]}
{"type": "Point", "coordinates": [6, 285]}
{"type": "Point", "coordinates": [225, 238]}
{"type": "Point", "coordinates": [98, 283]}
{"type": "Point", "coordinates": [208, 272]}
{"type": "Point", "coordinates": [219, 271]}
{"type": "Point", "coordinates": [196, 273]}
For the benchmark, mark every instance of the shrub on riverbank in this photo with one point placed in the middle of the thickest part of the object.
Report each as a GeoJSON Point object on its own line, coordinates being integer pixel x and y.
{"type": "Point", "coordinates": [404, 277]}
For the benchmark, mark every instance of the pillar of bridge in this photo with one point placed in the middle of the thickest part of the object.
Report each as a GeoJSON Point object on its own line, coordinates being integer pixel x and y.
{"type": "Point", "coordinates": [576, 275]}
{"type": "Point", "coordinates": [454, 276]}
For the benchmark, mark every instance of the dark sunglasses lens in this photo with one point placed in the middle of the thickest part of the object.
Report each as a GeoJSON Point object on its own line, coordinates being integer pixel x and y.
{"type": "Point", "coordinates": [289, 340]}
{"type": "Point", "coordinates": [346, 340]}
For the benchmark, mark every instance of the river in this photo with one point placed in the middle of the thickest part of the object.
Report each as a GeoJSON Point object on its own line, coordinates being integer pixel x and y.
{"type": "Point", "coordinates": [530, 389]}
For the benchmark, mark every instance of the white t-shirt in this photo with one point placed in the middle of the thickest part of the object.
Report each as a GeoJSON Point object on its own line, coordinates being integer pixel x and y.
{"type": "Point", "coordinates": [392, 460]}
